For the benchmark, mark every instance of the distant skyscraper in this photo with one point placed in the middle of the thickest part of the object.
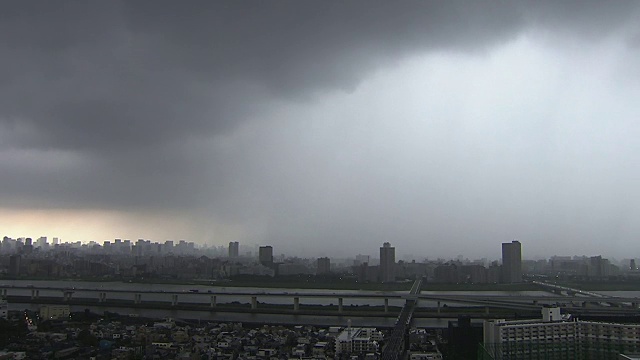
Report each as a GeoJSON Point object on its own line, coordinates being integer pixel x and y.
{"type": "Point", "coordinates": [387, 263]}
{"type": "Point", "coordinates": [598, 267]}
{"type": "Point", "coordinates": [511, 262]}
{"type": "Point", "coordinates": [233, 249]}
{"type": "Point", "coordinates": [166, 248]}
{"type": "Point", "coordinates": [265, 255]}
{"type": "Point", "coordinates": [324, 265]}
{"type": "Point", "coordinates": [632, 265]}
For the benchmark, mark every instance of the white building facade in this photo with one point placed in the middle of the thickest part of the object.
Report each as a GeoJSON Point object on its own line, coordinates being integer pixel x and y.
{"type": "Point", "coordinates": [358, 340]}
{"type": "Point", "coordinates": [559, 337]}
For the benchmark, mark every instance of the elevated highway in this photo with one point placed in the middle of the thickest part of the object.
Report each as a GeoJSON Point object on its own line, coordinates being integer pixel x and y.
{"type": "Point", "coordinates": [451, 296]}
{"type": "Point", "coordinates": [394, 347]}
{"type": "Point", "coordinates": [574, 299]}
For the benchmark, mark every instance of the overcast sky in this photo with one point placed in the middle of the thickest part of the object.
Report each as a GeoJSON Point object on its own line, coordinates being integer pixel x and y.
{"type": "Point", "coordinates": [324, 128]}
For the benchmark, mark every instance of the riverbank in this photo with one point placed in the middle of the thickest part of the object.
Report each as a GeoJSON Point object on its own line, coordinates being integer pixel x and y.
{"type": "Point", "coordinates": [244, 283]}
{"type": "Point", "coordinates": [305, 283]}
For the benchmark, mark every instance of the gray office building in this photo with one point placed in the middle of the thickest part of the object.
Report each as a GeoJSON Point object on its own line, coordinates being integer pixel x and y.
{"type": "Point", "coordinates": [387, 263]}
{"type": "Point", "coordinates": [512, 262]}
{"type": "Point", "coordinates": [265, 255]}
{"type": "Point", "coordinates": [233, 249]}
{"type": "Point", "coordinates": [324, 265]}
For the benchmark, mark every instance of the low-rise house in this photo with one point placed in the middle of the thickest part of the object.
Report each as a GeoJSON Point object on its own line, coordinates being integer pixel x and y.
{"type": "Point", "coordinates": [319, 348]}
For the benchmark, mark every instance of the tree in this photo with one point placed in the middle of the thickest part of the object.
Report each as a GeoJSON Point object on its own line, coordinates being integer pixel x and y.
{"type": "Point", "coordinates": [86, 338]}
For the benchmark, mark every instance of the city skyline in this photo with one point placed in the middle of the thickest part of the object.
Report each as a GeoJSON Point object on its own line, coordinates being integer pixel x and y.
{"type": "Point", "coordinates": [441, 127]}
{"type": "Point", "coordinates": [145, 259]}
{"type": "Point", "coordinates": [494, 253]}
{"type": "Point", "coordinates": [235, 250]}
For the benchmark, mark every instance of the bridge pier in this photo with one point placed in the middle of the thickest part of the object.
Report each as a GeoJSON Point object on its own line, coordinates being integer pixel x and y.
{"type": "Point", "coordinates": [438, 307]}
{"type": "Point", "coordinates": [486, 310]}
{"type": "Point", "coordinates": [386, 305]}
{"type": "Point", "coordinates": [137, 298]}
{"type": "Point", "coordinates": [68, 294]}
{"type": "Point", "coordinates": [174, 299]}
{"type": "Point", "coordinates": [102, 297]}
{"type": "Point", "coordinates": [35, 293]}
{"type": "Point", "coordinates": [254, 302]}
{"type": "Point", "coordinates": [4, 292]}
{"type": "Point", "coordinates": [296, 303]}
{"type": "Point", "coordinates": [213, 301]}
{"type": "Point", "coordinates": [339, 305]}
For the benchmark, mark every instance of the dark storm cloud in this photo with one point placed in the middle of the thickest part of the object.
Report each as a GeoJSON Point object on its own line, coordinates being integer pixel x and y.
{"type": "Point", "coordinates": [121, 104]}
{"type": "Point", "coordinates": [104, 74]}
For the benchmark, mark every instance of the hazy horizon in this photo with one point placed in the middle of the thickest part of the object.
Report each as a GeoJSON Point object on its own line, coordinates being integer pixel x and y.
{"type": "Point", "coordinates": [444, 128]}
{"type": "Point", "coordinates": [372, 253]}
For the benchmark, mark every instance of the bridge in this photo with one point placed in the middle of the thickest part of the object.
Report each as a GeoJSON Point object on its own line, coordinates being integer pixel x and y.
{"type": "Point", "coordinates": [569, 290]}
{"type": "Point", "coordinates": [113, 296]}
{"type": "Point", "coordinates": [395, 343]}
{"type": "Point", "coordinates": [575, 300]}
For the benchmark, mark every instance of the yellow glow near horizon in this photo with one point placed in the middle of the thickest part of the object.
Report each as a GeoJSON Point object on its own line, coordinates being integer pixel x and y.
{"type": "Point", "coordinates": [99, 225]}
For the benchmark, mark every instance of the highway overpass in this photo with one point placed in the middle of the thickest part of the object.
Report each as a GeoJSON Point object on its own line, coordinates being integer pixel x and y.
{"type": "Point", "coordinates": [580, 300]}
